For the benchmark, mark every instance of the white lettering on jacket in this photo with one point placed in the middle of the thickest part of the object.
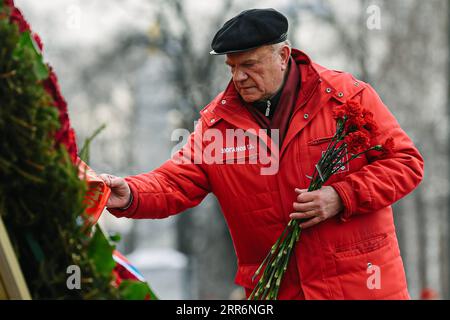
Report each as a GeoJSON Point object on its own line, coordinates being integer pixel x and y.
{"type": "Point", "coordinates": [238, 149]}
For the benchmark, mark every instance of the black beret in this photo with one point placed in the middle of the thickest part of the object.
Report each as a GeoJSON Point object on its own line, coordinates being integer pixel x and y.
{"type": "Point", "coordinates": [250, 29]}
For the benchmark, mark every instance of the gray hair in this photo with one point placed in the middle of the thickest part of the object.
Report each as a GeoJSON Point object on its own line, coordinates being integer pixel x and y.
{"type": "Point", "coordinates": [277, 46]}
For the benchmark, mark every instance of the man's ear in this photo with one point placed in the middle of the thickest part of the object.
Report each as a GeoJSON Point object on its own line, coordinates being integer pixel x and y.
{"type": "Point", "coordinates": [285, 54]}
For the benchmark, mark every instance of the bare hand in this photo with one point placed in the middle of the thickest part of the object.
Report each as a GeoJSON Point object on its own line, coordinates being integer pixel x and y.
{"type": "Point", "coordinates": [120, 191]}
{"type": "Point", "coordinates": [316, 206]}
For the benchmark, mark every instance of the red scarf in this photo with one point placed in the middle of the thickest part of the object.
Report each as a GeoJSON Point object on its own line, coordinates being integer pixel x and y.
{"type": "Point", "coordinates": [285, 107]}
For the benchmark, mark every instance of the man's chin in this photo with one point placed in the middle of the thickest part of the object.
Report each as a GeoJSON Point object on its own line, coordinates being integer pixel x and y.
{"type": "Point", "coordinates": [249, 98]}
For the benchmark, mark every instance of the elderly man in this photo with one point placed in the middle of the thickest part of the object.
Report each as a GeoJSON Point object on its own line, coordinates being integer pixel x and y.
{"type": "Point", "coordinates": [348, 248]}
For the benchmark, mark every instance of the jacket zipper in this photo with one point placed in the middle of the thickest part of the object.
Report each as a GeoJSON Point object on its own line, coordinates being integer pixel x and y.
{"type": "Point", "coordinates": [269, 104]}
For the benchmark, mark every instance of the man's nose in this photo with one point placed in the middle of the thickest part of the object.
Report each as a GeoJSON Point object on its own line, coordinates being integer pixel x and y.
{"type": "Point", "coordinates": [238, 75]}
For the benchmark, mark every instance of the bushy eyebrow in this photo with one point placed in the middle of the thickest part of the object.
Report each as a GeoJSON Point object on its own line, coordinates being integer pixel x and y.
{"type": "Point", "coordinates": [248, 61]}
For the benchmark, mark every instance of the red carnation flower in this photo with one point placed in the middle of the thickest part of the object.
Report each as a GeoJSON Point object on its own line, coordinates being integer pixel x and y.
{"type": "Point", "coordinates": [349, 110]}
{"type": "Point", "coordinates": [369, 123]}
{"type": "Point", "coordinates": [17, 17]}
{"type": "Point", "coordinates": [354, 124]}
{"type": "Point", "coordinates": [388, 148]}
{"type": "Point", "coordinates": [339, 112]}
{"type": "Point", "coordinates": [366, 114]}
{"type": "Point", "coordinates": [353, 109]}
{"type": "Point", "coordinates": [371, 126]}
{"type": "Point", "coordinates": [64, 134]}
{"type": "Point", "coordinates": [357, 142]}
{"type": "Point", "coordinates": [38, 41]}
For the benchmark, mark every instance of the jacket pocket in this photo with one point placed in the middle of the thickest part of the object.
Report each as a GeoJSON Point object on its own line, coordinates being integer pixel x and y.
{"type": "Point", "coordinates": [371, 269]}
{"type": "Point", "coordinates": [316, 148]}
{"type": "Point", "coordinates": [361, 247]}
{"type": "Point", "coordinates": [318, 141]}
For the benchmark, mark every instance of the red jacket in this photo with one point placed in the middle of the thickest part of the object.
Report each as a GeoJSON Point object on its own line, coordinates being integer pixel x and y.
{"type": "Point", "coordinates": [333, 259]}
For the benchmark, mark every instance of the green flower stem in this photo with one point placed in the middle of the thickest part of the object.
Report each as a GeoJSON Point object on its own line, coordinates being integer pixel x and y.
{"type": "Point", "coordinates": [272, 267]}
{"type": "Point", "coordinates": [336, 155]}
{"type": "Point", "coordinates": [336, 162]}
{"type": "Point", "coordinates": [338, 137]}
{"type": "Point", "coordinates": [276, 270]}
{"type": "Point", "coordinates": [329, 151]}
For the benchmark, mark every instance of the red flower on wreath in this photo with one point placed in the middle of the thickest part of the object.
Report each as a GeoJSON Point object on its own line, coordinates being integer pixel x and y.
{"type": "Point", "coordinates": [65, 134]}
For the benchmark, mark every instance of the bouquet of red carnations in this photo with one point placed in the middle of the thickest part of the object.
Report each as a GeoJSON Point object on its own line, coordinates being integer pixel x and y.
{"type": "Point", "coordinates": [355, 132]}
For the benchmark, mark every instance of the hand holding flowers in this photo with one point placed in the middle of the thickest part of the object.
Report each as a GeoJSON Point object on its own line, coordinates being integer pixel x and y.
{"type": "Point", "coordinates": [316, 206]}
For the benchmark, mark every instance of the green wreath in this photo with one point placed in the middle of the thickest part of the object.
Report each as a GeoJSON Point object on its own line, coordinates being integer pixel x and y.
{"type": "Point", "coordinates": [41, 195]}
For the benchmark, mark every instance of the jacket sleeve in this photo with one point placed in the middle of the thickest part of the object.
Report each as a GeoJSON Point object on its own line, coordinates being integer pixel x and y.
{"type": "Point", "coordinates": [180, 183]}
{"type": "Point", "coordinates": [383, 181]}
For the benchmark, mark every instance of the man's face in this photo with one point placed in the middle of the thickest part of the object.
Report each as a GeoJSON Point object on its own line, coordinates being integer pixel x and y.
{"type": "Point", "coordinates": [258, 73]}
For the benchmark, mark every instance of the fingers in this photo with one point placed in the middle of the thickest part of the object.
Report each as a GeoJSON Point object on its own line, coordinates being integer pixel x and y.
{"type": "Point", "coordinates": [307, 209]}
{"type": "Point", "coordinates": [110, 180]}
{"type": "Point", "coordinates": [311, 223]}
{"type": "Point", "coordinates": [305, 196]}
{"type": "Point", "coordinates": [106, 178]}
{"type": "Point", "coordinates": [315, 206]}
{"type": "Point", "coordinates": [304, 207]}
{"type": "Point", "coordinates": [116, 181]}
{"type": "Point", "coordinates": [303, 215]}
